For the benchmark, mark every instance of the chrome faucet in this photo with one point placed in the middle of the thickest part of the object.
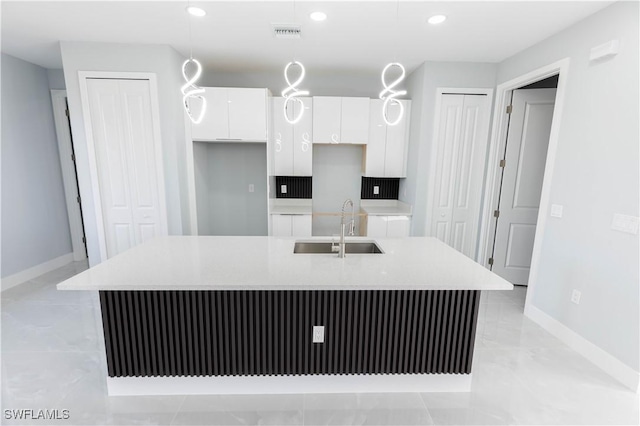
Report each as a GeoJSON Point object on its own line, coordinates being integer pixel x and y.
{"type": "Point", "coordinates": [352, 226]}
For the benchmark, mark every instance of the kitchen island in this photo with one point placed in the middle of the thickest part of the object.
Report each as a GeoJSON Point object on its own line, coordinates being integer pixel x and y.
{"type": "Point", "coordinates": [237, 315]}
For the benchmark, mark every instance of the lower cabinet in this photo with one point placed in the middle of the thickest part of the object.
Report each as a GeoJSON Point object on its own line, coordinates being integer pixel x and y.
{"type": "Point", "coordinates": [388, 226]}
{"type": "Point", "coordinates": [291, 225]}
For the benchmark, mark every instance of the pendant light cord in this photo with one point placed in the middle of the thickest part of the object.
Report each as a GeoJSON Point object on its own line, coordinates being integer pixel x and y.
{"type": "Point", "coordinates": [189, 26]}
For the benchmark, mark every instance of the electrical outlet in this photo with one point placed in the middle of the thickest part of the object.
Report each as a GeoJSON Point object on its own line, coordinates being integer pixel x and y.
{"type": "Point", "coordinates": [251, 188]}
{"type": "Point", "coordinates": [283, 189]}
{"type": "Point", "coordinates": [318, 334]}
{"type": "Point", "coordinates": [376, 190]}
{"type": "Point", "coordinates": [556, 210]}
{"type": "Point", "coordinates": [575, 296]}
{"type": "Point", "coordinates": [625, 223]}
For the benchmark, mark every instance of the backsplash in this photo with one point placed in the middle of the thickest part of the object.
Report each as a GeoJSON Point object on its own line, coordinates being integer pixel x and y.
{"type": "Point", "coordinates": [296, 186]}
{"type": "Point", "coordinates": [388, 188]}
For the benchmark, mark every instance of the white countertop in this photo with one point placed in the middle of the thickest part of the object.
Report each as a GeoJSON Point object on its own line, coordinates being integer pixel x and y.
{"type": "Point", "coordinates": [385, 208]}
{"type": "Point", "coordinates": [290, 206]}
{"type": "Point", "coordinates": [268, 263]}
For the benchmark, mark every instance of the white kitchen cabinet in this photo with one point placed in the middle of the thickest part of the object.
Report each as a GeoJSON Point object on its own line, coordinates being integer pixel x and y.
{"type": "Point", "coordinates": [291, 225]}
{"type": "Point", "coordinates": [388, 226]}
{"type": "Point", "coordinates": [386, 154]}
{"type": "Point", "coordinates": [292, 150]}
{"type": "Point", "coordinates": [233, 114]}
{"type": "Point", "coordinates": [340, 120]}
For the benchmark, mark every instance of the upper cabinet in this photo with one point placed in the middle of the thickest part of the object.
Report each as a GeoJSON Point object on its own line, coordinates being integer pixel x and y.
{"type": "Point", "coordinates": [233, 114]}
{"type": "Point", "coordinates": [340, 120]}
{"type": "Point", "coordinates": [291, 144]}
{"type": "Point", "coordinates": [386, 154]}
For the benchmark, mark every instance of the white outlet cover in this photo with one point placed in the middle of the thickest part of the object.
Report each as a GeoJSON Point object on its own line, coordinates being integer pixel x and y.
{"type": "Point", "coordinates": [376, 190]}
{"type": "Point", "coordinates": [283, 189]}
{"type": "Point", "coordinates": [556, 210]}
{"type": "Point", "coordinates": [318, 334]}
{"type": "Point", "coordinates": [251, 188]}
{"type": "Point", "coordinates": [575, 296]}
{"type": "Point", "coordinates": [625, 223]}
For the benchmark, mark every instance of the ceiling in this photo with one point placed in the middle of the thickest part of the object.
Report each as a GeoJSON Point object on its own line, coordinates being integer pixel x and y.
{"type": "Point", "coordinates": [237, 35]}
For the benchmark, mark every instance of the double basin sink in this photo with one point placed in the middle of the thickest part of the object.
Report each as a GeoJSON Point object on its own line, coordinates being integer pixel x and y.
{"type": "Point", "coordinates": [325, 247]}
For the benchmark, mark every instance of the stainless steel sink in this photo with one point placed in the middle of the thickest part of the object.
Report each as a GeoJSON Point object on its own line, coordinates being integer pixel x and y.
{"type": "Point", "coordinates": [324, 247]}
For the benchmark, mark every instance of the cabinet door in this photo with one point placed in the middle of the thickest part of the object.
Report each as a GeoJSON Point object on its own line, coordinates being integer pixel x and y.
{"type": "Point", "coordinates": [355, 120]}
{"type": "Point", "coordinates": [375, 152]}
{"type": "Point", "coordinates": [398, 226]}
{"type": "Point", "coordinates": [215, 124]}
{"type": "Point", "coordinates": [282, 140]}
{"type": "Point", "coordinates": [281, 225]}
{"type": "Point", "coordinates": [301, 144]}
{"type": "Point", "coordinates": [247, 114]}
{"type": "Point", "coordinates": [376, 226]}
{"type": "Point", "coordinates": [396, 148]}
{"type": "Point", "coordinates": [326, 119]}
{"type": "Point", "coordinates": [301, 225]}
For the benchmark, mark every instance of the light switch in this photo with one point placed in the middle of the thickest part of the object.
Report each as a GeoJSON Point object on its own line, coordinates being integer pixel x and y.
{"type": "Point", "coordinates": [625, 223]}
{"type": "Point", "coordinates": [376, 190]}
{"type": "Point", "coordinates": [251, 188]}
{"type": "Point", "coordinates": [556, 210]}
{"type": "Point", "coordinates": [283, 189]}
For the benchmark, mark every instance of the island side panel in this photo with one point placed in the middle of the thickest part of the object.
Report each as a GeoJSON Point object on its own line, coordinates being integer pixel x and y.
{"type": "Point", "coordinates": [231, 333]}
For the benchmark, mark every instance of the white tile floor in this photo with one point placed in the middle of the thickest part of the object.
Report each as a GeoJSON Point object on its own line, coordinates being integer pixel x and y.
{"type": "Point", "coordinates": [51, 358]}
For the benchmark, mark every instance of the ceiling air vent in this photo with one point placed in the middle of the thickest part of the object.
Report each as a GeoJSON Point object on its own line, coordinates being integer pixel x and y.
{"type": "Point", "coordinates": [286, 30]}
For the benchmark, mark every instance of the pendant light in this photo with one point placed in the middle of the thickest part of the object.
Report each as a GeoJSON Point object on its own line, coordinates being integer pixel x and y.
{"type": "Point", "coordinates": [389, 93]}
{"type": "Point", "coordinates": [291, 92]}
{"type": "Point", "coordinates": [190, 91]}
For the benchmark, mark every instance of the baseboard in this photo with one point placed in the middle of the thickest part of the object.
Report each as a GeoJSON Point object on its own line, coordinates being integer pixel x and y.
{"type": "Point", "coordinates": [35, 271]}
{"type": "Point", "coordinates": [602, 359]}
{"type": "Point", "coordinates": [236, 385]}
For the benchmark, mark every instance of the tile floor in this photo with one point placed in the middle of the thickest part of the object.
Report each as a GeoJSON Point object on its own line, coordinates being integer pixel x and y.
{"type": "Point", "coordinates": [51, 358]}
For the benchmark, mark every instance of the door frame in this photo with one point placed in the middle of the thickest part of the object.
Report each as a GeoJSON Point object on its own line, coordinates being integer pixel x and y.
{"type": "Point", "coordinates": [69, 174]}
{"type": "Point", "coordinates": [497, 141]}
{"type": "Point", "coordinates": [83, 76]}
{"type": "Point", "coordinates": [434, 146]}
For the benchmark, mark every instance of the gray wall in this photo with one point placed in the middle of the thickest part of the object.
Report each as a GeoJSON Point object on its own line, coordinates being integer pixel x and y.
{"type": "Point", "coordinates": [35, 226]}
{"type": "Point", "coordinates": [337, 175]}
{"type": "Point", "coordinates": [595, 175]}
{"type": "Point", "coordinates": [339, 83]}
{"type": "Point", "coordinates": [56, 79]}
{"type": "Point", "coordinates": [166, 63]}
{"type": "Point", "coordinates": [422, 85]}
{"type": "Point", "coordinates": [224, 172]}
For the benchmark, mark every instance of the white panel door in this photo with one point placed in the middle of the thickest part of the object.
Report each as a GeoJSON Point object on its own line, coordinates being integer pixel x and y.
{"type": "Point", "coordinates": [281, 225]}
{"type": "Point", "coordinates": [376, 226]}
{"type": "Point", "coordinates": [396, 146]}
{"type": "Point", "coordinates": [460, 164]}
{"type": "Point", "coordinates": [355, 120]}
{"type": "Point", "coordinates": [398, 226]}
{"type": "Point", "coordinates": [525, 158]}
{"type": "Point", "coordinates": [327, 113]}
{"type": "Point", "coordinates": [301, 225]}
{"type": "Point", "coordinates": [375, 151]}
{"type": "Point", "coordinates": [302, 148]}
{"type": "Point", "coordinates": [471, 160]}
{"type": "Point", "coordinates": [446, 162]}
{"type": "Point", "coordinates": [282, 140]}
{"type": "Point", "coordinates": [215, 124]}
{"type": "Point", "coordinates": [247, 114]}
{"type": "Point", "coordinates": [127, 153]}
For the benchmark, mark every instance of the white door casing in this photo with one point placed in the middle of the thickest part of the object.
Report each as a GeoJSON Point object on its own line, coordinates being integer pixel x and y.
{"type": "Point", "coordinates": [525, 156]}
{"type": "Point", "coordinates": [128, 161]}
{"type": "Point", "coordinates": [459, 169]}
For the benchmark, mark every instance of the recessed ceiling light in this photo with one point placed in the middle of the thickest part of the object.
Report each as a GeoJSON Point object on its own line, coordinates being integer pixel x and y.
{"type": "Point", "coordinates": [196, 11]}
{"type": "Point", "coordinates": [437, 19]}
{"type": "Point", "coordinates": [318, 16]}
